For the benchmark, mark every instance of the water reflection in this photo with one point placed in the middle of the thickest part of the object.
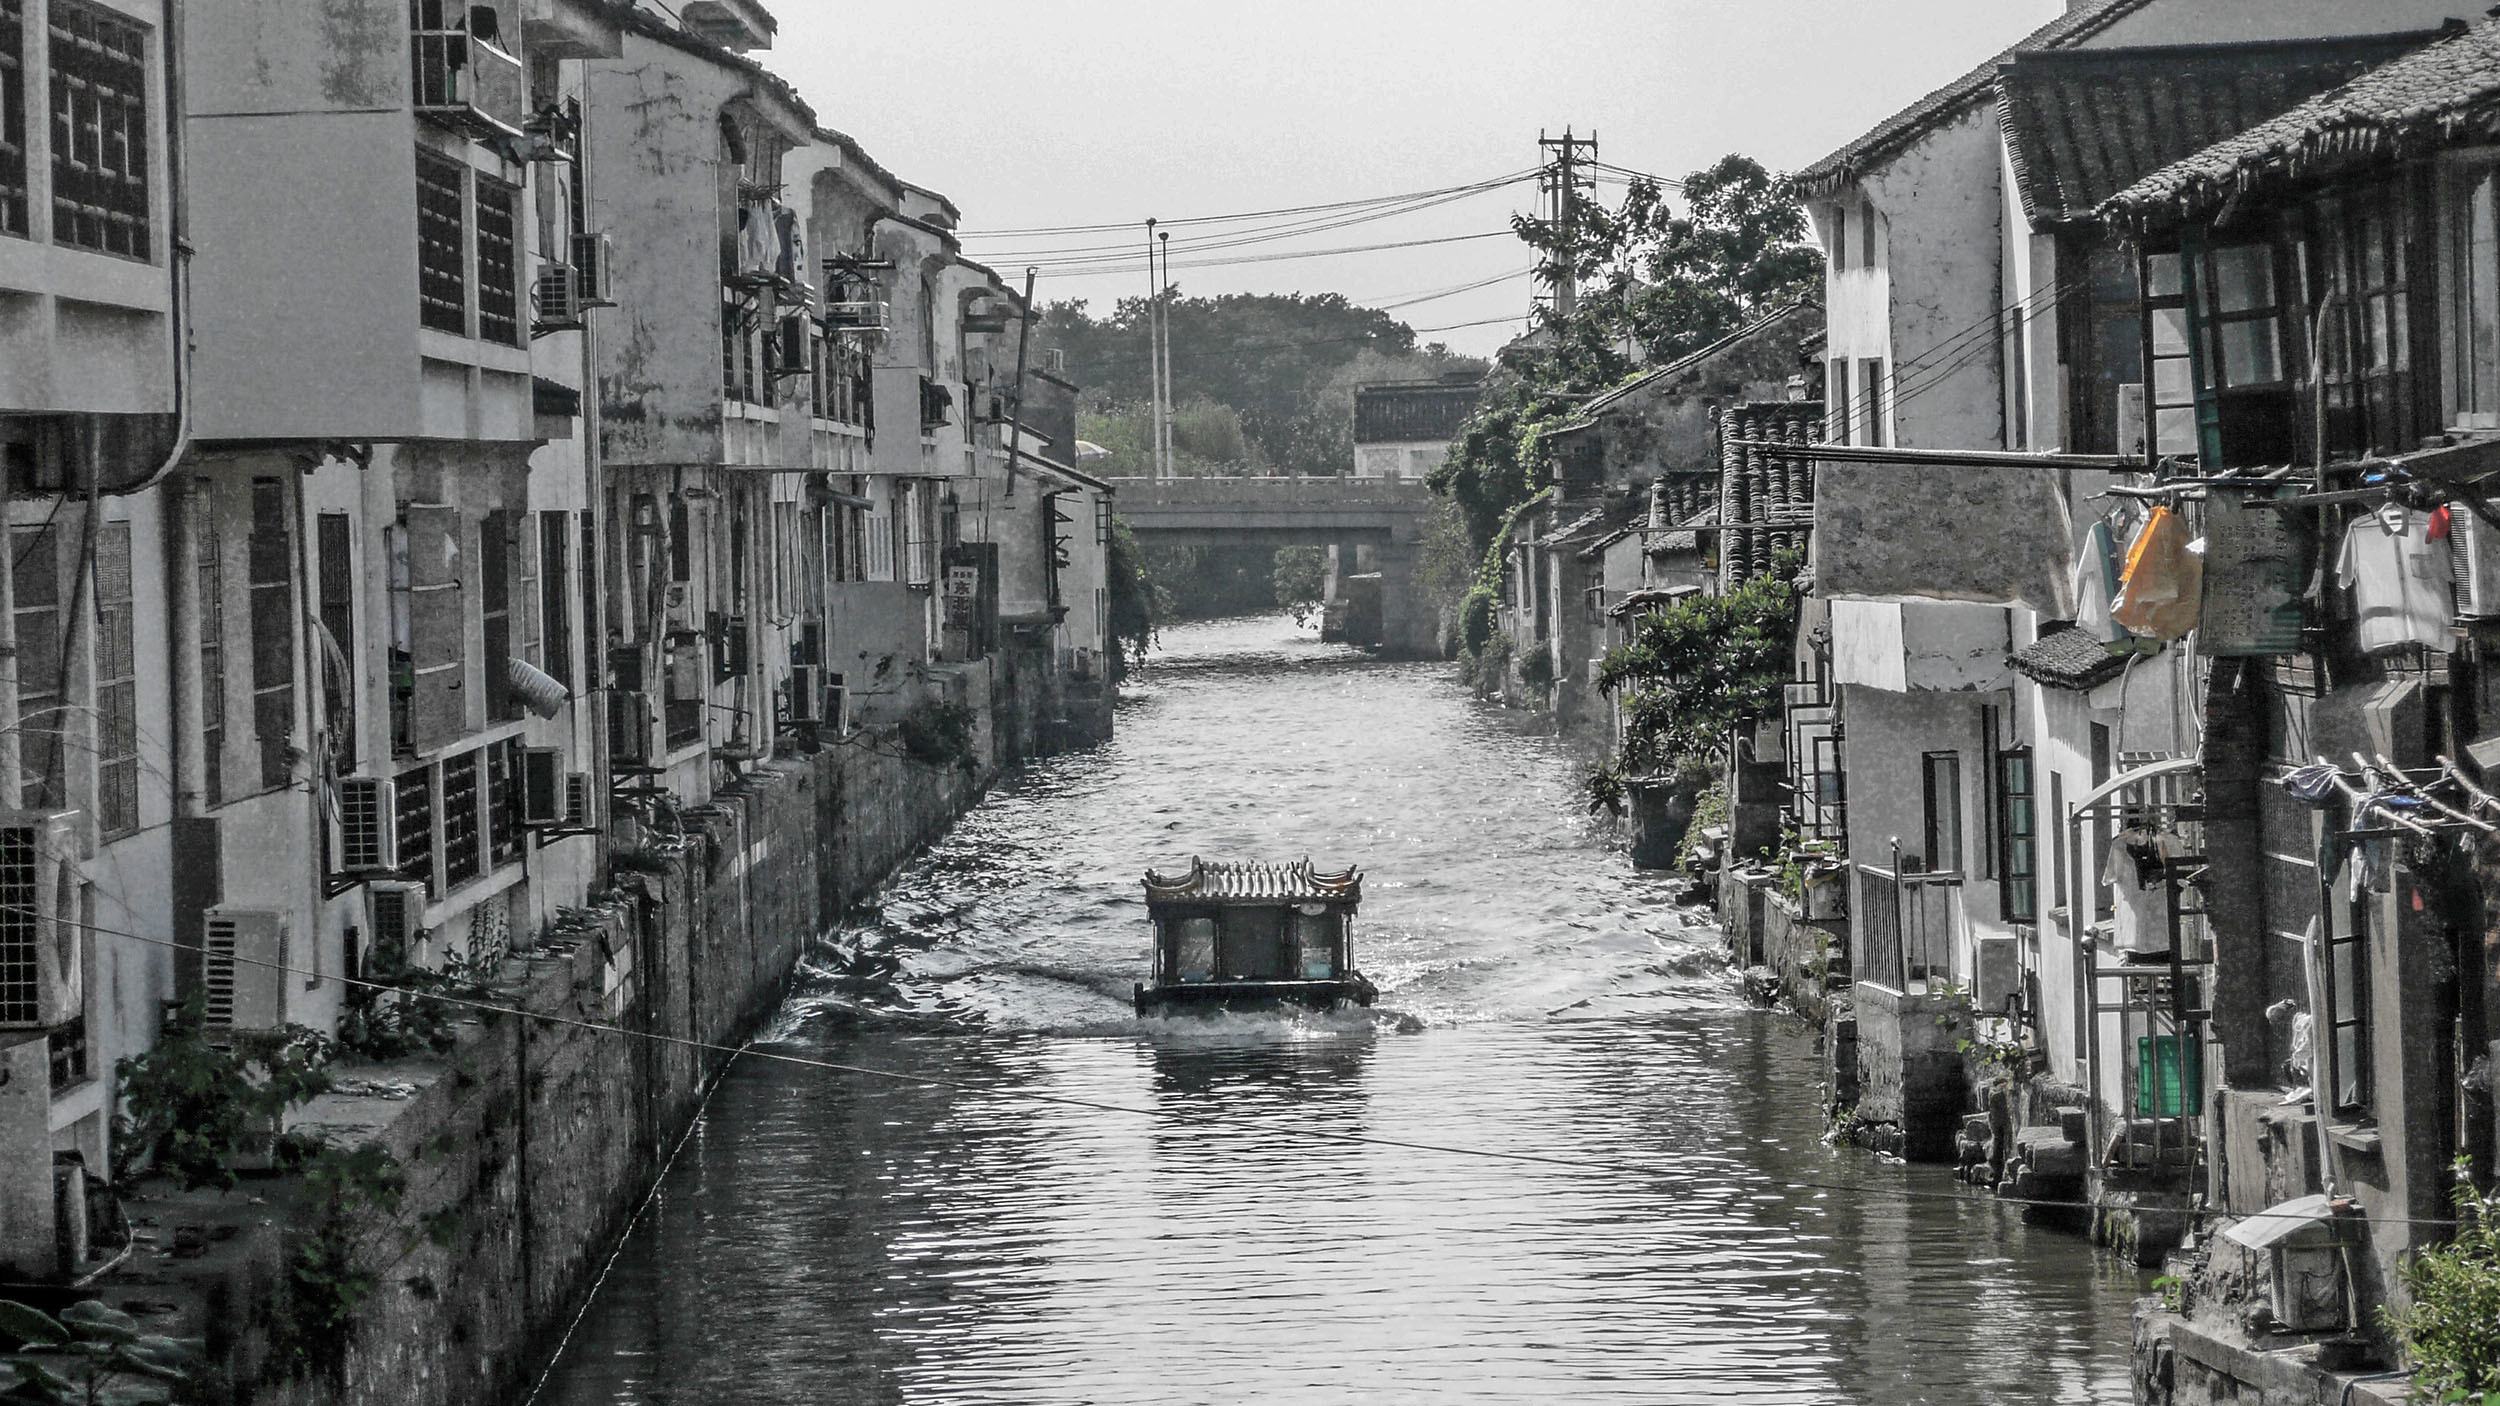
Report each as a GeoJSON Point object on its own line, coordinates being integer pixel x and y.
{"type": "Point", "coordinates": [1663, 1222]}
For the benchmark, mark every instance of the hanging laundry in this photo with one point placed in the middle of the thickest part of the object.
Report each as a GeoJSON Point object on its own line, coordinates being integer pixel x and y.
{"type": "Point", "coordinates": [2314, 783]}
{"type": "Point", "coordinates": [2165, 575]}
{"type": "Point", "coordinates": [790, 262]}
{"type": "Point", "coordinates": [2399, 579]}
{"type": "Point", "coordinates": [2137, 869]}
{"type": "Point", "coordinates": [2096, 585]}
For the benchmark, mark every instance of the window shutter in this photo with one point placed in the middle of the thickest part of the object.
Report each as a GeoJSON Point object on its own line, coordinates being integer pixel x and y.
{"type": "Point", "coordinates": [438, 709]}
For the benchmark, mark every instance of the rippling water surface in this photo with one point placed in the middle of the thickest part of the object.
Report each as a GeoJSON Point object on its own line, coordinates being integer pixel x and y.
{"type": "Point", "coordinates": [1666, 1226]}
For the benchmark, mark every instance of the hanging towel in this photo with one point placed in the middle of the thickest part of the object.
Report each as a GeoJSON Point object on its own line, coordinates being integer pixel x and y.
{"type": "Point", "coordinates": [2399, 579]}
{"type": "Point", "coordinates": [2163, 581]}
{"type": "Point", "coordinates": [2096, 586]}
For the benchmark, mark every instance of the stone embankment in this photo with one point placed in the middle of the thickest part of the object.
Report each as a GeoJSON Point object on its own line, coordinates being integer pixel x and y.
{"type": "Point", "coordinates": [527, 1148]}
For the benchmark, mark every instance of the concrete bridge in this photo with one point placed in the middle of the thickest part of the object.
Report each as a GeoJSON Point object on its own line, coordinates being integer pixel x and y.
{"type": "Point", "coordinates": [1372, 527]}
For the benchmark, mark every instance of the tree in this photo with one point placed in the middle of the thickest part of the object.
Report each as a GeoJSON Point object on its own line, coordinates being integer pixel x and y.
{"type": "Point", "coordinates": [1668, 284]}
{"type": "Point", "coordinates": [1300, 580]}
{"type": "Point", "coordinates": [1698, 670]}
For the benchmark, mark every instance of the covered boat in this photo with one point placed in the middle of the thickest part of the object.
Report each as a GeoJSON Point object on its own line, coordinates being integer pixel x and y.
{"type": "Point", "coordinates": [1250, 936]}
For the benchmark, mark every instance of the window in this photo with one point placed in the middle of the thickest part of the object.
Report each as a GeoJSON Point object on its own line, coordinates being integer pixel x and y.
{"type": "Point", "coordinates": [336, 607]}
{"type": "Point", "coordinates": [2018, 838]}
{"type": "Point", "coordinates": [1836, 413]}
{"type": "Point", "coordinates": [415, 794]}
{"type": "Point", "coordinates": [37, 570]}
{"type": "Point", "coordinates": [116, 685]}
{"type": "Point", "coordinates": [2473, 229]}
{"type": "Point", "coordinates": [680, 541]}
{"type": "Point", "coordinates": [2101, 832]}
{"type": "Point", "coordinates": [13, 194]}
{"type": "Point", "coordinates": [463, 860]}
{"type": "Point", "coordinates": [1871, 399]}
{"type": "Point", "coordinates": [586, 585]}
{"type": "Point", "coordinates": [2057, 842]}
{"type": "Point", "coordinates": [2246, 333]}
{"type": "Point", "coordinates": [442, 244]}
{"type": "Point", "coordinates": [271, 582]}
{"type": "Point", "coordinates": [1866, 234]}
{"type": "Point", "coordinates": [2347, 920]}
{"type": "Point", "coordinates": [99, 131]}
{"type": "Point", "coordinates": [1942, 777]}
{"type": "Point", "coordinates": [494, 545]}
{"type": "Point", "coordinates": [1840, 238]}
{"type": "Point", "coordinates": [554, 545]}
{"type": "Point", "coordinates": [2166, 330]}
{"type": "Point", "coordinates": [499, 262]}
{"type": "Point", "coordinates": [503, 803]}
{"type": "Point", "coordinates": [212, 598]}
{"type": "Point", "coordinates": [2018, 380]}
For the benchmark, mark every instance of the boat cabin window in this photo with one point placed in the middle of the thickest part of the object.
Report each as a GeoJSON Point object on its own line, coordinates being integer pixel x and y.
{"type": "Point", "coordinates": [1253, 947]}
{"type": "Point", "coordinates": [1192, 946]}
{"type": "Point", "coordinates": [1315, 946]}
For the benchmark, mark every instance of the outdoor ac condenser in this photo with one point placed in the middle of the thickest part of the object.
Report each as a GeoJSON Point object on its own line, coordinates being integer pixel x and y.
{"type": "Point", "coordinates": [2475, 545]}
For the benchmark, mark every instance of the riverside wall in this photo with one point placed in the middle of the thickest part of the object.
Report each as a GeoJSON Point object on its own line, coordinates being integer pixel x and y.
{"type": "Point", "coordinates": [526, 1149]}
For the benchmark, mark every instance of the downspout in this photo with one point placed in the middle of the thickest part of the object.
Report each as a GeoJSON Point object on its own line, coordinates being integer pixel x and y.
{"type": "Point", "coordinates": [177, 256]}
{"type": "Point", "coordinates": [12, 782]}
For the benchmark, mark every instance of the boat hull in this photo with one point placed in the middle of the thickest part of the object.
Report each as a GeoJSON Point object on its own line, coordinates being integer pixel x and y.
{"type": "Point", "coordinates": [1255, 995]}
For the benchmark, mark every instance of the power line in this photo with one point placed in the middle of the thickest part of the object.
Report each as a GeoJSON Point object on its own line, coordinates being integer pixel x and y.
{"type": "Point", "coordinates": [1232, 238]}
{"type": "Point", "coordinates": [749, 1051]}
{"type": "Point", "coordinates": [1044, 230]}
{"type": "Point", "coordinates": [1131, 354]}
{"type": "Point", "coordinates": [1137, 268]}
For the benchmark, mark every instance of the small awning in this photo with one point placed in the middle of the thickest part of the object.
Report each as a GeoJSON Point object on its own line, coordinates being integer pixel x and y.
{"type": "Point", "coordinates": [2303, 1217]}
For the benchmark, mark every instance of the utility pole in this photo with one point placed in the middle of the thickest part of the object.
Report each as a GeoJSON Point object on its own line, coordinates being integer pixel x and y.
{"type": "Point", "coordinates": [1562, 181]}
{"type": "Point", "coordinates": [1171, 410]}
{"type": "Point", "coordinates": [1154, 348]}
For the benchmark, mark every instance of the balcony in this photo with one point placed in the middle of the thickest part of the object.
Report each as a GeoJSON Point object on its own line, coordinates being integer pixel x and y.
{"type": "Point", "coordinates": [464, 80]}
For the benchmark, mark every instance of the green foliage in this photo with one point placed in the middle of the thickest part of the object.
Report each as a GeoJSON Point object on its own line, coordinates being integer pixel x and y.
{"type": "Point", "coordinates": [1301, 580]}
{"type": "Point", "coordinates": [91, 1354]}
{"type": "Point", "coordinates": [1694, 672]}
{"type": "Point", "coordinates": [1536, 670]}
{"type": "Point", "coordinates": [2451, 1328]}
{"type": "Point", "coordinates": [1476, 612]}
{"type": "Point", "coordinates": [1135, 602]}
{"type": "Point", "coordinates": [1603, 786]}
{"type": "Point", "coordinates": [1666, 283]}
{"type": "Point", "coordinates": [190, 1107]}
{"type": "Point", "coordinates": [1276, 372]}
{"type": "Point", "coordinates": [410, 1018]}
{"type": "Point", "coordinates": [940, 734]}
{"type": "Point", "coordinates": [2173, 1291]}
{"type": "Point", "coordinates": [1709, 809]}
{"type": "Point", "coordinates": [351, 1196]}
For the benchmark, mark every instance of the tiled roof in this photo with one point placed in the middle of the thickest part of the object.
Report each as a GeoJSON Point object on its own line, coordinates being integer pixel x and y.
{"type": "Point", "coordinates": [651, 26]}
{"type": "Point", "coordinates": [1422, 411]}
{"type": "Point", "coordinates": [2443, 94]}
{"type": "Point", "coordinates": [2068, 658]}
{"type": "Point", "coordinates": [1224, 882]}
{"type": "Point", "coordinates": [1806, 309]}
{"type": "Point", "coordinates": [1895, 134]}
{"type": "Point", "coordinates": [1588, 524]}
{"type": "Point", "coordinates": [1685, 541]}
{"type": "Point", "coordinates": [2080, 124]}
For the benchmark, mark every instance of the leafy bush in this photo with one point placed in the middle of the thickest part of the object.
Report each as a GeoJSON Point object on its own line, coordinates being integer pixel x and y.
{"type": "Point", "coordinates": [1696, 671]}
{"type": "Point", "coordinates": [940, 734]}
{"type": "Point", "coordinates": [2451, 1329]}
{"type": "Point", "coordinates": [1536, 669]}
{"type": "Point", "coordinates": [191, 1107]}
{"type": "Point", "coordinates": [1475, 618]}
{"type": "Point", "coordinates": [1300, 580]}
{"type": "Point", "coordinates": [91, 1353]}
{"type": "Point", "coordinates": [409, 1018]}
{"type": "Point", "coordinates": [352, 1199]}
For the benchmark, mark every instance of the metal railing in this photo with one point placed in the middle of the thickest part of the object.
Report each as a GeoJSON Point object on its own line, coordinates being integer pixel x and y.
{"type": "Point", "coordinates": [1909, 923]}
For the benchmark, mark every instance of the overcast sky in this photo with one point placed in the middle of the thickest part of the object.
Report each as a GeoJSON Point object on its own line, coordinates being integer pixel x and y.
{"type": "Point", "coordinates": [1066, 112]}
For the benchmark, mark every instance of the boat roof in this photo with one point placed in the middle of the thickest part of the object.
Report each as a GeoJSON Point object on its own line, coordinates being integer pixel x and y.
{"type": "Point", "coordinates": [1243, 882]}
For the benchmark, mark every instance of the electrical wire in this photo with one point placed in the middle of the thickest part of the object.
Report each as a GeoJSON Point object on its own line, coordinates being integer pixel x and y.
{"type": "Point", "coordinates": [1137, 268]}
{"type": "Point", "coordinates": [751, 1052]}
{"type": "Point", "coordinates": [1221, 239]}
{"type": "Point", "coordinates": [1043, 230]}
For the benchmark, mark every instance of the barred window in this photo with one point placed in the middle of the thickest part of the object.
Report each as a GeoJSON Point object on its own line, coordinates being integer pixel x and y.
{"type": "Point", "coordinates": [462, 860]}
{"type": "Point", "coordinates": [498, 262]}
{"type": "Point", "coordinates": [494, 547]}
{"type": "Point", "coordinates": [334, 534]}
{"type": "Point", "coordinates": [272, 584]}
{"type": "Point", "coordinates": [442, 234]}
{"type": "Point", "coordinates": [117, 686]}
{"type": "Point", "coordinates": [13, 211]}
{"type": "Point", "coordinates": [555, 607]}
{"type": "Point", "coordinates": [99, 131]}
{"type": "Point", "coordinates": [503, 803]}
{"type": "Point", "coordinates": [415, 796]}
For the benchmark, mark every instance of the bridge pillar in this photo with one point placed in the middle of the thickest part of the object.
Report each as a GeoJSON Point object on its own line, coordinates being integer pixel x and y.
{"type": "Point", "coordinates": [1409, 626]}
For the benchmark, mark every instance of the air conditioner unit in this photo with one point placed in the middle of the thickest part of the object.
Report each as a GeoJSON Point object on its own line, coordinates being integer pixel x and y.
{"type": "Point", "coordinates": [807, 694]}
{"type": "Point", "coordinates": [368, 825]}
{"type": "Point", "coordinates": [581, 801]}
{"type": "Point", "coordinates": [858, 317]}
{"type": "Point", "coordinates": [42, 960]}
{"type": "Point", "coordinates": [594, 274]}
{"type": "Point", "coordinates": [2475, 547]}
{"type": "Point", "coordinates": [557, 298]}
{"type": "Point", "coordinates": [242, 970]}
{"type": "Point", "coordinates": [391, 912]}
{"type": "Point", "coordinates": [542, 787]}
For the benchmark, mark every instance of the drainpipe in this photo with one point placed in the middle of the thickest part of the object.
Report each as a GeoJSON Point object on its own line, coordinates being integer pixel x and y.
{"type": "Point", "coordinates": [177, 256]}
{"type": "Point", "coordinates": [182, 629]}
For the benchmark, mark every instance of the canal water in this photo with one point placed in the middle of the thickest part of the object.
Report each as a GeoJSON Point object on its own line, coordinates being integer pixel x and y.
{"type": "Point", "coordinates": [1049, 1201]}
